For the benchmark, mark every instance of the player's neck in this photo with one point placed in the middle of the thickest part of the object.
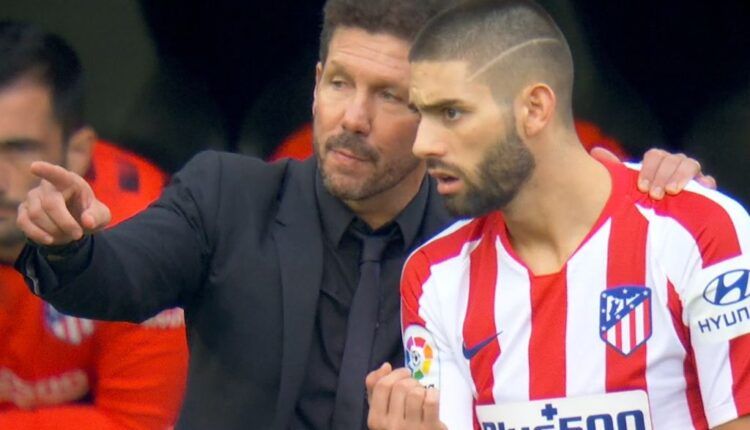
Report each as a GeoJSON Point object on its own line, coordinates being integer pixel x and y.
{"type": "Point", "coordinates": [557, 208]}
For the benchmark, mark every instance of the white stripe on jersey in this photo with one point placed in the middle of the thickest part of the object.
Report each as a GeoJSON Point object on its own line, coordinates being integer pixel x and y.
{"type": "Point", "coordinates": [512, 311]}
{"type": "Point", "coordinates": [587, 278]}
{"type": "Point", "coordinates": [665, 378]}
{"type": "Point", "coordinates": [444, 300]}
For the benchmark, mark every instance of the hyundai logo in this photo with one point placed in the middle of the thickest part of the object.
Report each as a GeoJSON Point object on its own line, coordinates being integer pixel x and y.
{"type": "Point", "coordinates": [728, 288]}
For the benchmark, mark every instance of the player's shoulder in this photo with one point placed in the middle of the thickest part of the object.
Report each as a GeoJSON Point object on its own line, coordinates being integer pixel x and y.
{"type": "Point", "coordinates": [694, 207]}
{"type": "Point", "coordinates": [454, 241]}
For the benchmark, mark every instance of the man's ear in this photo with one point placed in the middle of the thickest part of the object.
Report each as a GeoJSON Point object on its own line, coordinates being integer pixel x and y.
{"type": "Point", "coordinates": [318, 76]}
{"type": "Point", "coordinates": [80, 150]}
{"type": "Point", "coordinates": [537, 105]}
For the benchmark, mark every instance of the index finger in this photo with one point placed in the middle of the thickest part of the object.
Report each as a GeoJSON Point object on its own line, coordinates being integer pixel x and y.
{"type": "Point", "coordinates": [58, 176]}
{"type": "Point", "coordinates": [652, 159]}
{"type": "Point", "coordinates": [375, 376]}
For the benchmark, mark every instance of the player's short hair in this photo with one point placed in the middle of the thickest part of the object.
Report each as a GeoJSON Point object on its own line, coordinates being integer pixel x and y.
{"type": "Point", "coordinates": [26, 51]}
{"type": "Point", "coordinates": [399, 18]}
{"type": "Point", "coordinates": [507, 43]}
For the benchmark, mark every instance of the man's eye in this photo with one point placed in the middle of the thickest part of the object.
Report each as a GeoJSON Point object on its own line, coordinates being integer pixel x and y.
{"type": "Point", "coordinates": [338, 83]}
{"type": "Point", "coordinates": [451, 114]}
{"type": "Point", "coordinates": [387, 95]}
{"type": "Point", "coordinates": [19, 146]}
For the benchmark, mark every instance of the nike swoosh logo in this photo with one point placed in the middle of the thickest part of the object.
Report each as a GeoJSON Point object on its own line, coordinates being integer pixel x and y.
{"type": "Point", "coordinates": [469, 353]}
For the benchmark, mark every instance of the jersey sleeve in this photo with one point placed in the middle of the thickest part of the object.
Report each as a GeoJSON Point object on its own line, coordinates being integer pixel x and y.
{"type": "Point", "coordinates": [66, 417]}
{"type": "Point", "coordinates": [428, 352]}
{"type": "Point", "coordinates": [716, 300]}
{"type": "Point", "coordinates": [141, 370]}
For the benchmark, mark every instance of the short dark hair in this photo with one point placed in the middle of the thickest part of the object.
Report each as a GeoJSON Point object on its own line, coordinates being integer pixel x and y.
{"type": "Point", "coordinates": [485, 32]}
{"type": "Point", "coordinates": [28, 51]}
{"type": "Point", "coordinates": [400, 18]}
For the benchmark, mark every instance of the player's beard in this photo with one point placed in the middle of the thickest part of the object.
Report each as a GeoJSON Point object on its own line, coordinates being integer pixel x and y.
{"type": "Point", "coordinates": [501, 174]}
{"type": "Point", "coordinates": [385, 174]}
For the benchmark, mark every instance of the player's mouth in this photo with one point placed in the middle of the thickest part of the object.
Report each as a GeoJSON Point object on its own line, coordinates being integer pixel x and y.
{"type": "Point", "coordinates": [446, 182]}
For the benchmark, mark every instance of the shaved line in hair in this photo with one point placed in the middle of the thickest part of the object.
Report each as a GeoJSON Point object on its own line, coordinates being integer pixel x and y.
{"type": "Point", "coordinates": [510, 51]}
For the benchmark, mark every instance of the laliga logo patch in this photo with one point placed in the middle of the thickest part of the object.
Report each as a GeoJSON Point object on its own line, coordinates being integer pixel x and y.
{"type": "Point", "coordinates": [421, 356]}
{"type": "Point", "coordinates": [728, 288]}
{"type": "Point", "coordinates": [625, 318]}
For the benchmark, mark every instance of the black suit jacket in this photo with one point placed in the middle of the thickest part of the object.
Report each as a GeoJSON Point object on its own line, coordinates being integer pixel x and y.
{"type": "Point", "coordinates": [238, 243]}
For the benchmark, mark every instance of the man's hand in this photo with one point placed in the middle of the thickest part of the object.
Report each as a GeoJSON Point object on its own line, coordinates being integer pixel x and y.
{"type": "Point", "coordinates": [663, 172]}
{"type": "Point", "coordinates": [61, 209]}
{"type": "Point", "coordinates": [399, 402]}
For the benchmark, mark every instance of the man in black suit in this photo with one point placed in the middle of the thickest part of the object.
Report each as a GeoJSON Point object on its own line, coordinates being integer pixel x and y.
{"type": "Point", "coordinates": [266, 258]}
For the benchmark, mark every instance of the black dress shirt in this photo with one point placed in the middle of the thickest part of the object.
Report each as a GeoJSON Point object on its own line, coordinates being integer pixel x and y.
{"type": "Point", "coordinates": [342, 250]}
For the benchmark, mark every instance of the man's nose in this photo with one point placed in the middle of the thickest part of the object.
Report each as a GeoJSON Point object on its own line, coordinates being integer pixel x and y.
{"type": "Point", "coordinates": [358, 114]}
{"type": "Point", "coordinates": [428, 143]}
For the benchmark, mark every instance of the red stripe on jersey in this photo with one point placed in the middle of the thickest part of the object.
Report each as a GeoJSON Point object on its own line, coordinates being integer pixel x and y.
{"type": "Point", "coordinates": [479, 325]}
{"type": "Point", "coordinates": [739, 356]}
{"type": "Point", "coordinates": [418, 267]}
{"type": "Point", "coordinates": [626, 266]}
{"type": "Point", "coordinates": [415, 274]}
{"type": "Point", "coordinates": [549, 309]}
{"type": "Point", "coordinates": [477, 426]}
{"type": "Point", "coordinates": [692, 390]}
{"type": "Point", "coordinates": [705, 220]}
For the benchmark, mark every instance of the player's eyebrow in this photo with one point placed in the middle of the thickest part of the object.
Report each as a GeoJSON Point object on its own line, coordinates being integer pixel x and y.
{"type": "Point", "coordinates": [437, 105]}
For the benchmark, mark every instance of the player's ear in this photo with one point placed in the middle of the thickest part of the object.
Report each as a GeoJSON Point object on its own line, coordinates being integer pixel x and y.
{"type": "Point", "coordinates": [80, 149]}
{"type": "Point", "coordinates": [318, 76]}
{"type": "Point", "coordinates": [537, 105]}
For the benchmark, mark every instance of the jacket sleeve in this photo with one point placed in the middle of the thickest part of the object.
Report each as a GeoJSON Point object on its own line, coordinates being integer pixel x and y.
{"type": "Point", "coordinates": [154, 261]}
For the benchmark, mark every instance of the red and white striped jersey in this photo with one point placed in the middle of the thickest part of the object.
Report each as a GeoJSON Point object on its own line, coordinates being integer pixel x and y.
{"type": "Point", "coordinates": [656, 298]}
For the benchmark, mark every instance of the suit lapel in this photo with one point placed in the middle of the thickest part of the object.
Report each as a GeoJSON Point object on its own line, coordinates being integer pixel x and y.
{"type": "Point", "coordinates": [299, 242]}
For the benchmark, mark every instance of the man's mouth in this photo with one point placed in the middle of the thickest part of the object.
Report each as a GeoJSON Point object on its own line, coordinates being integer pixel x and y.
{"type": "Point", "coordinates": [347, 156]}
{"type": "Point", "coordinates": [446, 182]}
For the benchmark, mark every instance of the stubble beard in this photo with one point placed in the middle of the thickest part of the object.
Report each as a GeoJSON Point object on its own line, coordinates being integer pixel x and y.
{"type": "Point", "coordinates": [385, 174]}
{"type": "Point", "coordinates": [504, 169]}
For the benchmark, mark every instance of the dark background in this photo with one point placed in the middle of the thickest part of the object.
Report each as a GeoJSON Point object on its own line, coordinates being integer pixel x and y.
{"type": "Point", "coordinates": [168, 78]}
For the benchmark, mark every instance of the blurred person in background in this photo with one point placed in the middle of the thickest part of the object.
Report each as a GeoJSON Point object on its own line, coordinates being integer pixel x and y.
{"type": "Point", "coordinates": [268, 260]}
{"type": "Point", "coordinates": [58, 371]}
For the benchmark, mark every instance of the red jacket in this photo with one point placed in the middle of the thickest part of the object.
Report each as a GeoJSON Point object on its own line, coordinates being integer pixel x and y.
{"type": "Point", "coordinates": [61, 372]}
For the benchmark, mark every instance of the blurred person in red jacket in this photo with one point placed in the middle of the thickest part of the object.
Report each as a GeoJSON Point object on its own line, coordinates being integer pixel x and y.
{"type": "Point", "coordinates": [59, 371]}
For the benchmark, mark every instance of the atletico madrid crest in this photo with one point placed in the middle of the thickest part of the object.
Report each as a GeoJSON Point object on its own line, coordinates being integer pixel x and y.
{"type": "Point", "coordinates": [71, 330]}
{"type": "Point", "coordinates": [625, 318]}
